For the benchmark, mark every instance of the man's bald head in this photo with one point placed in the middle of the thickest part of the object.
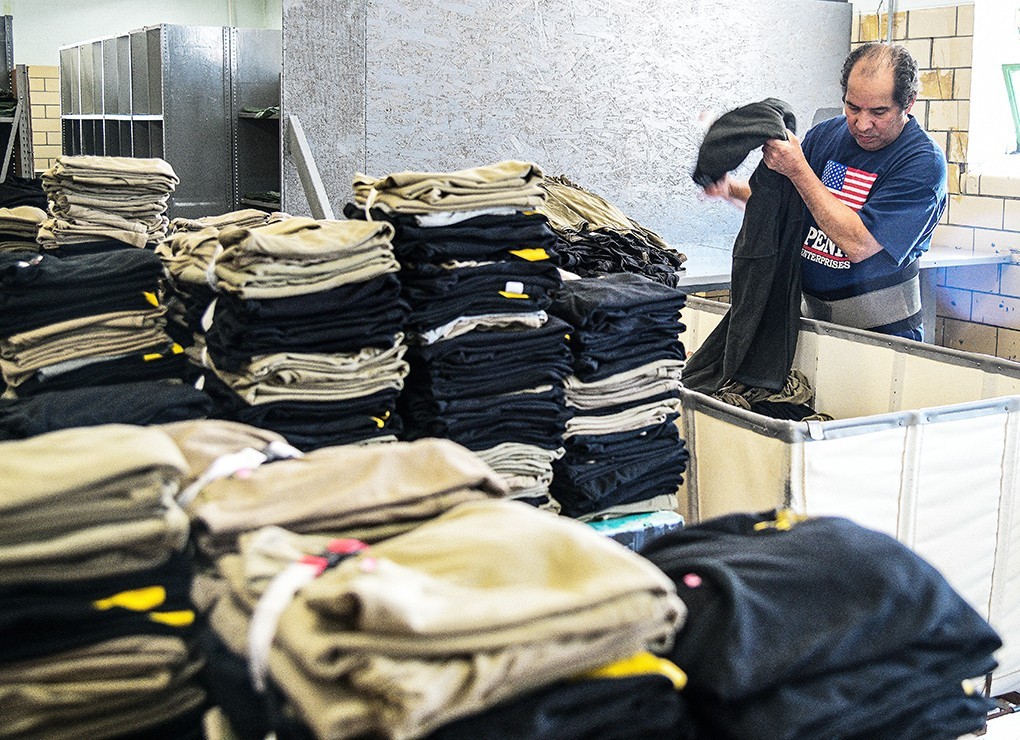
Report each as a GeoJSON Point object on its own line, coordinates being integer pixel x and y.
{"type": "Point", "coordinates": [874, 57]}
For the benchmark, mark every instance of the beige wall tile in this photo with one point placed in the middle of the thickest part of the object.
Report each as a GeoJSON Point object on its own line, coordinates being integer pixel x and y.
{"type": "Point", "coordinates": [47, 151]}
{"type": "Point", "coordinates": [1009, 282]}
{"type": "Point", "coordinates": [970, 183]}
{"type": "Point", "coordinates": [1008, 346]}
{"type": "Point", "coordinates": [941, 139]}
{"type": "Point", "coordinates": [39, 138]}
{"type": "Point", "coordinates": [36, 83]}
{"type": "Point", "coordinates": [899, 25]}
{"type": "Point", "coordinates": [957, 151]}
{"type": "Point", "coordinates": [52, 111]}
{"type": "Point", "coordinates": [975, 210]}
{"type": "Point", "coordinates": [953, 303]}
{"type": "Point", "coordinates": [1011, 215]}
{"type": "Point", "coordinates": [931, 22]}
{"type": "Point", "coordinates": [1001, 185]}
{"type": "Point", "coordinates": [995, 240]}
{"type": "Point", "coordinates": [956, 237]}
{"type": "Point", "coordinates": [936, 84]}
{"type": "Point", "coordinates": [920, 112]}
{"type": "Point", "coordinates": [54, 137]}
{"type": "Point", "coordinates": [867, 27]}
{"type": "Point", "coordinates": [920, 49]}
{"type": "Point", "coordinates": [875, 26]}
{"type": "Point", "coordinates": [52, 84]}
{"type": "Point", "coordinates": [952, 52]}
{"type": "Point", "coordinates": [45, 98]}
{"type": "Point", "coordinates": [996, 310]}
{"type": "Point", "coordinates": [969, 337]}
{"type": "Point", "coordinates": [46, 124]}
{"type": "Point", "coordinates": [948, 115]}
{"type": "Point", "coordinates": [43, 70]}
{"type": "Point", "coordinates": [961, 83]}
{"type": "Point", "coordinates": [953, 177]}
{"type": "Point", "coordinates": [984, 278]}
{"type": "Point", "coordinates": [965, 19]}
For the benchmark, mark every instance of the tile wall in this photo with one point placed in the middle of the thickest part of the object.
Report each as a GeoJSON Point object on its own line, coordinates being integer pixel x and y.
{"type": "Point", "coordinates": [978, 306]}
{"type": "Point", "coordinates": [44, 84]}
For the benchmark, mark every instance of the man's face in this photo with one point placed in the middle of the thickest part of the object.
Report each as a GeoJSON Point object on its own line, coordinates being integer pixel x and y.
{"type": "Point", "coordinates": [873, 118]}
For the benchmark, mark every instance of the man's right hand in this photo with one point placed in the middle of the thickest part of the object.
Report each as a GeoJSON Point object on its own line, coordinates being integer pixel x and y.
{"type": "Point", "coordinates": [730, 189]}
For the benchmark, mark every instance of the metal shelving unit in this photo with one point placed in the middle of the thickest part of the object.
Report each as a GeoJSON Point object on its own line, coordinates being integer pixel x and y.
{"type": "Point", "coordinates": [173, 92]}
{"type": "Point", "coordinates": [15, 129]}
{"type": "Point", "coordinates": [255, 73]}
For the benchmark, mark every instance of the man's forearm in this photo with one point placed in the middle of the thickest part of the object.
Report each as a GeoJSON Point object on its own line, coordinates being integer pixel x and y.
{"type": "Point", "coordinates": [740, 190]}
{"type": "Point", "coordinates": [839, 222]}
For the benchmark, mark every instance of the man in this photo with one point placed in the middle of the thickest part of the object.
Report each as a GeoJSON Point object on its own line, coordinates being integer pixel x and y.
{"type": "Point", "coordinates": [874, 187]}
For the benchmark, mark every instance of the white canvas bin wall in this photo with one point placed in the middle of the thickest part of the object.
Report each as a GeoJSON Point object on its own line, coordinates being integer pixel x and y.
{"type": "Point", "coordinates": [924, 447]}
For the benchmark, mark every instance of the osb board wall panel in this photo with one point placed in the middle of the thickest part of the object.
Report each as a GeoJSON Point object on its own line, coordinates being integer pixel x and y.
{"type": "Point", "coordinates": [323, 84]}
{"type": "Point", "coordinates": [614, 94]}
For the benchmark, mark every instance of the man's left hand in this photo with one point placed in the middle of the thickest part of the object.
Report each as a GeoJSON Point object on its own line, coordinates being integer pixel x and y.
{"type": "Point", "coordinates": [785, 157]}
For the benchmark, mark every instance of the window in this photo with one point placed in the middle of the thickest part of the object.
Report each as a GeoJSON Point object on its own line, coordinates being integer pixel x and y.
{"type": "Point", "coordinates": [1011, 74]}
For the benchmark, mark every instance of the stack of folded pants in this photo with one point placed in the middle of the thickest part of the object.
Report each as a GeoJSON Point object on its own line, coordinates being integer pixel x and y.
{"type": "Point", "coordinates": [97, 636]}
{"type": "Point", "coordinates": [597, 238]}
{"type": "Point", "coordinates": [23, 191]}
{"type": "Point", "coordinates": [188, 251]}
{"type": "Point", "coordinates": [140, 402]}
{"type": "Point", "coordinates": [304, 337]}
{"type": "Point", "coordinates": [478, 272]}
{"type": "Point", "coordinates": [187, 257]}
{"type": "Point", "coordinates": [508, 183]}
{"type": "Point", "coordinates": [369, 492]}
{"type": "Point", "coordinates": [73, 322]}
{"type": "Point", "coordinates": [624, 454]}
{"type": "Point", "coordinates": [96, 199]}
{"type": "Point", "coordinates": [637, 697]}
{"type": "Point", "coordinates": [819, 627]}
{"type": "Point", "coordinates": [243, 218]}
{"type": "Point", "coordinates": [19, 227]}
{"type": "Point", "coordinates": [485, 604]}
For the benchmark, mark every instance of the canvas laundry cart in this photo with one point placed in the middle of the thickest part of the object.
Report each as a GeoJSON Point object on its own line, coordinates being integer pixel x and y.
{"type": "Point", "coordinates": [924, 446]}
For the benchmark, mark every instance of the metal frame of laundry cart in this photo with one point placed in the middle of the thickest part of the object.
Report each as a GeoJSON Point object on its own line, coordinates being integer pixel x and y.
{"type": "Point", "coordinates": [924, 446]}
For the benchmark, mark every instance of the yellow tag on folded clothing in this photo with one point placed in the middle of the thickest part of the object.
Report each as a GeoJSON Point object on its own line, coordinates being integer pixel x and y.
{"type": "Point", "coordinates": [182, 618]}
{"type": "Point", "coordinates": [138, 599]}
{"type": "Point", "coordinates": [639, 664]}
{"type": "Point", "coordinates": [531, 254]}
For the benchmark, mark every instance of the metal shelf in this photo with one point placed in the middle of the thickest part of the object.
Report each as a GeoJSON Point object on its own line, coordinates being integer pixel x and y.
{"type": "Point", "coordinates": [259, 117]}
{"type": "Point", "coordinates": [266, 205]}
{"type": "Point", "coordinates": [171, 91]}
{"type": "Point", "coordinates": [255, 84]}
{"type": "Point", "coordinates": [16, 129]}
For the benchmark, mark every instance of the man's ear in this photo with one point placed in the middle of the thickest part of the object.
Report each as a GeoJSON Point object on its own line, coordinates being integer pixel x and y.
{"type": "Point", "coordinates": [909, 105]}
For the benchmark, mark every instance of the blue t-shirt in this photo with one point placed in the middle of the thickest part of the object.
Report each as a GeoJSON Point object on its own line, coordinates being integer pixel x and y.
{"type": "Point", "coordinates": [898, 191]}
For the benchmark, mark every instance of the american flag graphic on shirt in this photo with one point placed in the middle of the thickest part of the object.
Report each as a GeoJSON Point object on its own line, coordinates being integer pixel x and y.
{"type": "Point", "coordinates": [851, 186]}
